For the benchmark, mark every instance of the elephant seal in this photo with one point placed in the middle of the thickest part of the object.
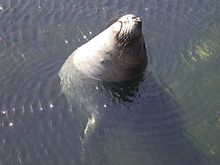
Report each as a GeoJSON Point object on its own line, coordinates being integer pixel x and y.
{"type": "Point", "coordinates": [116, 54]}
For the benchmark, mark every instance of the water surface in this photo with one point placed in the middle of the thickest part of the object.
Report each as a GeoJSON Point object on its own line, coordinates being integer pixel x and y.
{"type": "Point", "coordinates": [170, 115]}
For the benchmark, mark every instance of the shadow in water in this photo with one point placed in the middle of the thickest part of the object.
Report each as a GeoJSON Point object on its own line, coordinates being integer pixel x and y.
{"type": "Point", "coordinates": [134, 122]}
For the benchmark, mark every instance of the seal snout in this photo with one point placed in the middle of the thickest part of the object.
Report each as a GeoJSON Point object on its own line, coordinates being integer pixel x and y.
{"type": "Point", "coordinates": [136, 19]}
{"type": "Point", "coordinates": [130, 18]}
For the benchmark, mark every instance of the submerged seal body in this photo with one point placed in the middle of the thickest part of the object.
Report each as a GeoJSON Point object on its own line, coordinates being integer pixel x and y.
{"type": "Point", "coordinates": [116, 54]}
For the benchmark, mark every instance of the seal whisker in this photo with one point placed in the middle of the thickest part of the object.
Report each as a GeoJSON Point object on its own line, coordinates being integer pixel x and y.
{"type": "Point", "coordinates": [122, 53]}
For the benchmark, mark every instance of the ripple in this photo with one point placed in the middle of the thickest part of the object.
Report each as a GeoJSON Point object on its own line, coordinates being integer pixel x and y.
{"type": "Point", "coordinates": [170, 25]}
{"type": "Point", "coordinates": [178, 94]}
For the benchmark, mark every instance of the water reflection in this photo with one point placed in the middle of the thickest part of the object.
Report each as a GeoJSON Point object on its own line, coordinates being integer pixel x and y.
{"type": "Point", "coordinates": [200, 105]}
{"type": "Point", "coordinates": [139, 122]}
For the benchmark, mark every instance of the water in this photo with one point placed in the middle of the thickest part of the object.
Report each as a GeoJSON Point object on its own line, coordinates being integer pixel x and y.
{"type": "Point", "coordinates": [170, 115]}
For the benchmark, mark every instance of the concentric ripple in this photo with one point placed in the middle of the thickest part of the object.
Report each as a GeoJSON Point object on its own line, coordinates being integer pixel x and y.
{"type": "Point", "coordinates": [168, 116]}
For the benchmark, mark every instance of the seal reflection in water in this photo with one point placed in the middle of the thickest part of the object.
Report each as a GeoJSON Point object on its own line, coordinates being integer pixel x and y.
{"type": "Point", "coordinates": [117, 54]}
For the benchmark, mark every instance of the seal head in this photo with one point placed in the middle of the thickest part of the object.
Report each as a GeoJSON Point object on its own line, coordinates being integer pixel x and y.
{"type": "Point", "coordinates": [116, 54]}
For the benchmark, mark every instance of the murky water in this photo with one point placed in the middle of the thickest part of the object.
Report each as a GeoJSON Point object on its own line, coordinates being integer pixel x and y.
{"type": "Point", "coordinates": [169, 115]}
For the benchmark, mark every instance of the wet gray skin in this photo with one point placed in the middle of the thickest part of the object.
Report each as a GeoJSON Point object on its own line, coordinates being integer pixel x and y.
{"type": "Point", "coordinates": [120, 56]}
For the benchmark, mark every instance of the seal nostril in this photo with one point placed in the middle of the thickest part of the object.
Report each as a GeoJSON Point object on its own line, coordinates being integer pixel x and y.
{"type": "Point", "coordinates": [138, 19]}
